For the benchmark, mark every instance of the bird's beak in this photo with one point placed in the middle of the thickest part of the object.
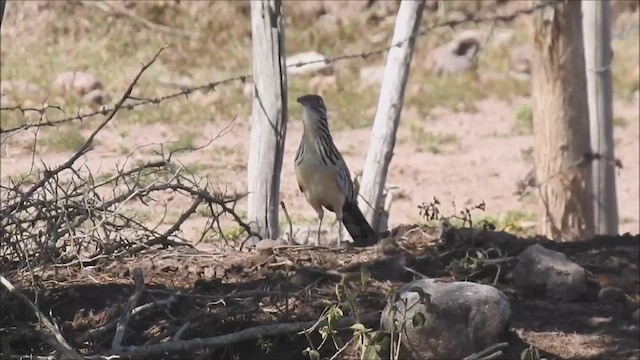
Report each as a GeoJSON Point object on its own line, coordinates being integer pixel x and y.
{"type": "Point", "coordinates": [298, 100]}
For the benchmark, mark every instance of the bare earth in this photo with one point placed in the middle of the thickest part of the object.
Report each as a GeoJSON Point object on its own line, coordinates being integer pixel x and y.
{"type": "Point", "coordinates": [485, 164]}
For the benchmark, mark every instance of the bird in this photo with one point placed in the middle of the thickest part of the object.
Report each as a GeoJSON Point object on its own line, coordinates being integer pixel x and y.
{"type": "Point", "coordinates": [323, 176]}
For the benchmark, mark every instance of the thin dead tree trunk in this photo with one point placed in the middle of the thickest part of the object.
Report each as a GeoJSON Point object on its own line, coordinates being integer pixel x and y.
{"type": "Point", "coordinates": [596, 25]}
{"type": "Point", "coordinates": [561, 123]}
{"type": "Point", "coordinates": [385, 125]}
{"type": "Point", "coordinates": [268, 118]}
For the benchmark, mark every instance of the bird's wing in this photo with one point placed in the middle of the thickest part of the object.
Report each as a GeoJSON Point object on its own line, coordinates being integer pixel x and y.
{"type": "Point", "coordinates": [344, 180]}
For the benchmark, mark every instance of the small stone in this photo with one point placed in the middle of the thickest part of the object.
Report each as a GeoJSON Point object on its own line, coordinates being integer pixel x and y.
{"type": "Point", "coordinates": [612, 294]}
{"type": "Point", "coordinates": [265, 246]}
{"type": "Point", "coordinates": [447, 319]}
{"type": "Point", "coordinates": [598, 321]}
{"type": "Point", "coordinates": [456, 56]}
{"type": "Point", "coordinates": [541, 272]}
{"type": "Point", "coordinates": [317, 64]}
{"type": "Point", "coordinates": [78, 81]}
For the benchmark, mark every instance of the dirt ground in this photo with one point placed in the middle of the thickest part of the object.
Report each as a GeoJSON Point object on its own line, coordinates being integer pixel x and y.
{"type": "Point", "coordinates": [485, 165]}
{"type": "Point", "coordinates": [206, 294]}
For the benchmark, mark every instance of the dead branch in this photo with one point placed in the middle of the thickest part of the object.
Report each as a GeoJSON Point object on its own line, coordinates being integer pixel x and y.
{"type": "Point", "coordinates": [51, 335]}
{"type": "Point", "coordinates": [121, 329]}
{"type": "Point", "coordinates": [85, 147]}
{"type": "Point", "coordinates": [492, 352]}
{"type": "Point", "coordinates": [192, 345]}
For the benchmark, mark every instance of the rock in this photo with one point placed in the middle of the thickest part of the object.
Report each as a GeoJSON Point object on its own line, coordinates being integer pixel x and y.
{"type": "Point", "coordinates": [612, 294]}
{"type": "Point", "coordinates": [636, 315]}
{"type": "Point", "coordinates": [541, 272]}
{"type": "Point", "coordinates": [520, 59]}
{"type": "Point", "coordinates": [318, 66]}
{"type": "Point", "coordinates": [458, 318]}
{"type": "Point", "coordinates": [371, 75]}
{"type": "Point", "coordinates": [265, 246]}
{"type": "Point", "coordinates": [78, 81]}
{"type": "Point", "coordinates": [456, 56]}
{"type": "Point", "coordinates": [96, 97]}
{"type": "Point", "coordinates": [456, 16]}
{"type": "Point", "coordinates": [431, 5]}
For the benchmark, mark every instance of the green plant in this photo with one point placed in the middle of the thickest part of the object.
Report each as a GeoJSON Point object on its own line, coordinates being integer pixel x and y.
{"type": "Point", "coordinates": [523, 120]}
{"type": "Point", "coordinates": [428, 141]}
{"type": "Point", "coordinates": [620, 122]}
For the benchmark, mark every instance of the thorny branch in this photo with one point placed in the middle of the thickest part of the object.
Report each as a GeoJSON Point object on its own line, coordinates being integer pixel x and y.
{"type": "Point", "coordinates": [243, 78]}
{"type": "Point", "coordinates": [67, 216]}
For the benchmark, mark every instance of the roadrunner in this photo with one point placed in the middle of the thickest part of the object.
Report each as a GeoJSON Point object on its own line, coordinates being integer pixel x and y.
{"type": "Point", "coordinates": [324, 177]}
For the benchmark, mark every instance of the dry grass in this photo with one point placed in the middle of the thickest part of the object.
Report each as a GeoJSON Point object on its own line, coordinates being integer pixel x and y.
{"type": "Point", "coordinates": [111, 47]}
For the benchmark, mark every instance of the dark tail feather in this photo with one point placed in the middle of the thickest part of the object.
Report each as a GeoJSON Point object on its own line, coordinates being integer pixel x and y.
{"type": "Point", "coordinates": [357, 226]}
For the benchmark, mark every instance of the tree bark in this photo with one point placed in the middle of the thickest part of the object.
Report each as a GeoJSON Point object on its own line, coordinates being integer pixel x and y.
{"type": "Point", "coordinates": [385, 125]}
{"type": "Point", "coordinates": [561, 123]}
{"type": "Point", "coordinates": [596, 25]}
{"type": "Point", "coordinates": [268, 118]}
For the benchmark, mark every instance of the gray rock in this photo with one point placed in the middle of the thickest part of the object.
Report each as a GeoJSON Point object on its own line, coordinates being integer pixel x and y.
{"type": "Point", "coordinates": [457, 56]}
{"type": "Point", "coordinates": [316, 64]}
{"type": "Point", "coordinates": [458, 318]}
{"type": "Point", "coordinates": [265, 246]}
{"type": "Point", "coordinates": [545, 272]}
{"type": "Point", "coordinates": [79, 82]}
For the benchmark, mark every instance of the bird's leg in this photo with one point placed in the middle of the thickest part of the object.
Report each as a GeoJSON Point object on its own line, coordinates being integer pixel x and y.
{"type": "Point", "coordinates": [339, 221]}
{"type": "Point", "coordinates": [320, 216]}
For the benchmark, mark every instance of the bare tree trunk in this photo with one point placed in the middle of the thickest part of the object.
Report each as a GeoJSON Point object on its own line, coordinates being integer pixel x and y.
{"type": "Point", "coordinates": [561, 123]}
{"type": "Point", "coordinates": [268, 118]}
{"type": "Point", "coordinates": [385, 125]}
{"type": "Point", "coordinates": [596, 24]}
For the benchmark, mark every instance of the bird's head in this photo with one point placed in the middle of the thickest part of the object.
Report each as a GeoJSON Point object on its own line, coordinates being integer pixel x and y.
{"type": "Point", "coordinates": [314, 112]}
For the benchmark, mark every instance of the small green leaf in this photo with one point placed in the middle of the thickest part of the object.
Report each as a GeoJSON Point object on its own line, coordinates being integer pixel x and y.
{"type": "Point", "coordinates": [357, 327]}
{"type": "Point", "coordinates": [365, 275]}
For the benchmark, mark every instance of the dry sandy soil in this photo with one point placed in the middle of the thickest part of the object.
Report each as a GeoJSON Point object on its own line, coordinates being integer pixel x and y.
{"type": "Point", "coordinates": [486, 163]}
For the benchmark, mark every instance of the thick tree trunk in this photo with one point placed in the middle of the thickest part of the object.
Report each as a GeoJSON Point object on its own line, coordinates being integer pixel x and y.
{"type": "Point", "coordinates": [561, 123]}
